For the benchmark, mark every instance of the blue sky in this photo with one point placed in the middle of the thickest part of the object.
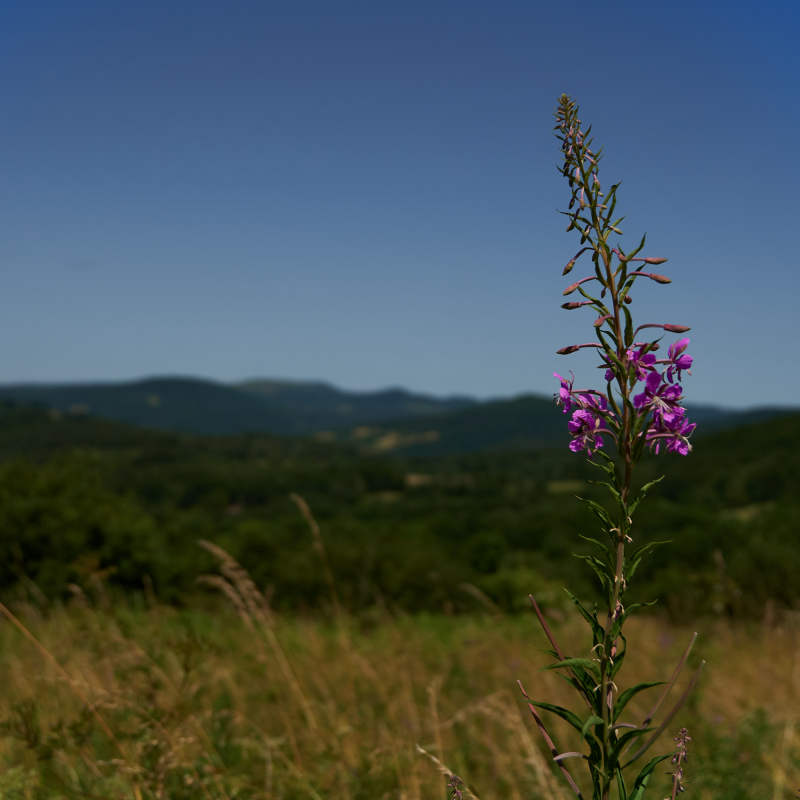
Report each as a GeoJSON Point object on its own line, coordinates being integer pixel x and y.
{"type": "Point", "coordinates": [365, 192]}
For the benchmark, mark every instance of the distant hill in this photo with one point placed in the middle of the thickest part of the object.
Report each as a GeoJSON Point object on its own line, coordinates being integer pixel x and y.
{"type": "Point", "coordinates": [206, 407]}
{"type": "Point", "coordinates": [179, 404]}
{"type": "Point", "coordinates": [393, 420]}
{"type": "Point", "coordinates": [324, 407]}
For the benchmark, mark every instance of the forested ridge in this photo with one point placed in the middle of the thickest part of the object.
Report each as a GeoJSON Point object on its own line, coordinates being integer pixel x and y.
{"type": "Point", "coordinates": [83, 499]}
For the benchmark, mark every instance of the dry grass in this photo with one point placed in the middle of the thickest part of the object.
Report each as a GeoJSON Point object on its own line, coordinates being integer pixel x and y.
{"type": "Point", "coordinates": [217, 705]}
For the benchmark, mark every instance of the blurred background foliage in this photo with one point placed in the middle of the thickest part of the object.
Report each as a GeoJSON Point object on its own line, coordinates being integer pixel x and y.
{"type": "Point", "coordinates": [84, 500]}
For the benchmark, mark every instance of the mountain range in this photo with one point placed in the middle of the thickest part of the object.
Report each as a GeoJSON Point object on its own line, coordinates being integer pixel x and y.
{"type": "Point", "coordinates": [383, 421]}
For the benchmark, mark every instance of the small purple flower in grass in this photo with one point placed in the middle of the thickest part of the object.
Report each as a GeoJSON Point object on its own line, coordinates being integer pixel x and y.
{"type": "Point", "coordinates": [456, 793]}
{"type": "Point", "coordinates": [587, 425]}
{"type": "Point", "coordinates": [660, 398]}
{"type": "Point", "coordinates": [680, 757]}
{"type": "Point", "coordinates": [678, 359]}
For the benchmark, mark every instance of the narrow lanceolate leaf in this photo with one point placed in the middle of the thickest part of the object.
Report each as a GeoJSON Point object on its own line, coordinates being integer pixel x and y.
{"type": "Point", "coordinates": [607, 468]}
{"type": "Point", "coordinates": [597, 510]}
{"type": "Point", "coordinates": [640, 785]}
{"type": "Point", "coordinates": [628, 694]}
{"type": "Point", "coordinates": [576, 663]}
{"type": "Point", "coordinates": [622, 742]}
{"type": "Point", "coordinates": [637, 556]}
{"type": "Point", "coordinates": [610, 461]}
{"type": "Point", "coordinates": [565, 714]}
{"type": "Point", "coordinates": [638, 249]}
{"type": "Point", "coordinates": [597, 630]}
{"type": "Point", "coordinates": [634, 606]}
{"type": "Point", "coordinates": [642, 492]}
{"type": "Point", "coordinates": [590, 723]}
{"type": "Point", "coordinates": [613, 492]}
{"type": "Point", "coordinates": [600, 571]}
{"type": "Point", "coordinates": [628, 327]}
{"type": "Point", "coordinates": [638, 447]}
{"type": "Point", "coordinates": [621, 788]}
{"type": "Point", "coordinates": [601, 547]}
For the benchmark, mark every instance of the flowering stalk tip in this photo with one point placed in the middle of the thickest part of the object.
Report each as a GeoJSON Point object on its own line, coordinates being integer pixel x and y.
{"type": "Point", "coordinates": [640, 407]}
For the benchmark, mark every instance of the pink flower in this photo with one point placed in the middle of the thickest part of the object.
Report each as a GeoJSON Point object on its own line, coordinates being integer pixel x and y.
{"type": "Point", "coordinates": [564, 396]}
{"type": "Point", "coordinates": [678, 360]}
{"type": "Point", "coordinates": [587, 425]}
{"type": "Point", "coordinates": [676, 434]}
{"type": "Point", "coordinates": [660, 398]}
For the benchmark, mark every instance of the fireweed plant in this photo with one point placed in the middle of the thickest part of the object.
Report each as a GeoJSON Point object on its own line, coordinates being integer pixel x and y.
{"type": "Point", "coordinates": [639, 408]}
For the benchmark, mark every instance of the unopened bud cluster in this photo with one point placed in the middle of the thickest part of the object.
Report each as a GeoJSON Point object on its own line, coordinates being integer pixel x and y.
{"type": "Point", "coordinates": [680, 757]}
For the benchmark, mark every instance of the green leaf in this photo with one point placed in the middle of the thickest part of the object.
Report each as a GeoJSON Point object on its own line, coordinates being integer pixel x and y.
{"type": "Point", "coordinates": [600, 546]}
{"type": "Point", "coordinates": [633, 562]}
{"type": "Point", "coordinates": [617, 496]}
{"type": "Point", "coordinates": [638, 447]}
{"type": "Point", "coordinates": [595, 300]}
{"type": "Point", "coordinates": [641, 781]}
{"type": "Point", "coordinates": [628, 326]}
{"type": "Point", "coordinates": [621, 789]}
{"type": "Point", "coordinates": [622, 741]}
{"type": "Point", "coordinates": [626, 696]}
{"type": "Point", "coordinates": [641, 245]}
{"type": "Point", "coordinates": [629, 405]}
{"type": "Point", "coordinates": [631, 608]}
{"type": "Point", "coordinates": [585, 664]}
{"type": "Point", "coordinates": [610, 461]}
{"type": "Point", "coordinates": [566, 678]}
{"type": "Point", "coordinates": [608, 469]}
{"type": "Point", "coordinates": [591, 721]}
{"type": "Point", "coordinates": [611, 335]}
{"type": "Point", "coordinates": [612, 489]}
{"type": "Point", "coordinates": [567, 716]}
{"type": "Point", "coordinates": [597, 510]}
{"type": "Point", "coordinates": [641, 495]}
{"type": "Point", "coordinates": [600, 569]}
{"type": "Point", "coordinates": [597, 630]}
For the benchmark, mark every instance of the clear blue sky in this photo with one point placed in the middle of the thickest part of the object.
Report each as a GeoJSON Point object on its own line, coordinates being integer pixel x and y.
{"type": "Point", "coordinates": [365, 192]}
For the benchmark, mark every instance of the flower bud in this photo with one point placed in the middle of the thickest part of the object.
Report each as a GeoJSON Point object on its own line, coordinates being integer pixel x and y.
{"type": "Point", "coordinates": [565, 351]}
{"type": "Point", "coordinates": [571, 306]}
{"type": "Point", "coordinates": [569, 266]}
{"type": "Point", "coordinates": [676, 328]}
{"type": "Point", "coordinates": [572, 288]}
{"type": "Point", "coordinates": [655, 260]}
{"type": "Point", "coordinates": [660, 278]}
{"type": "Point", "coordinates": [600, 320]}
